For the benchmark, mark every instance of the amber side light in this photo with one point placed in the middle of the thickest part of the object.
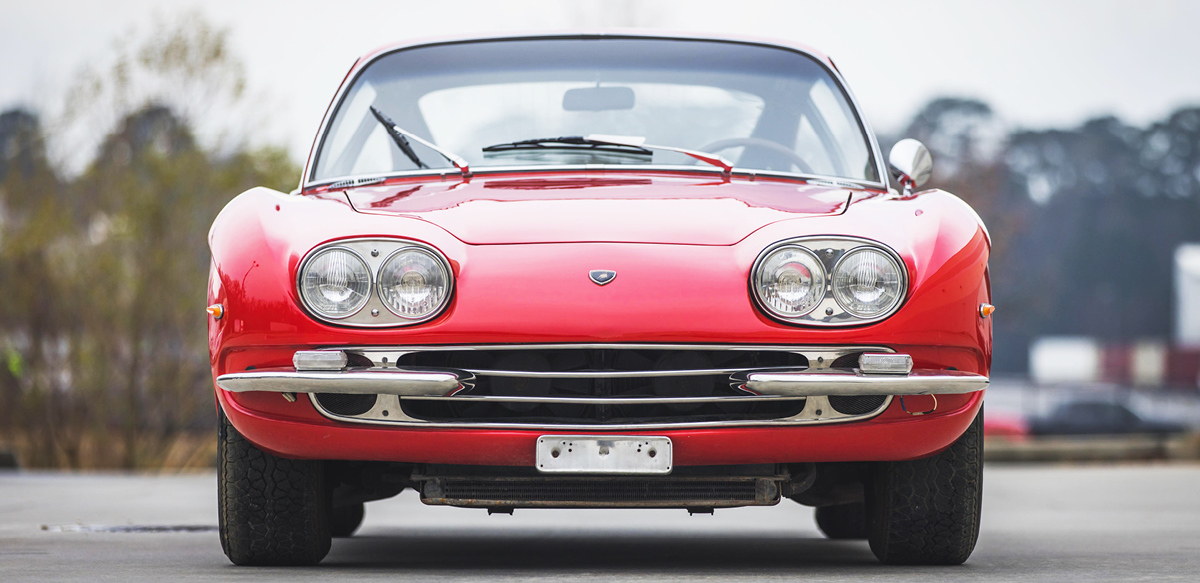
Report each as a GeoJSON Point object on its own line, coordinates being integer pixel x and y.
{"type": "Point", "coordinates": [986, 310]}
{"type": "Point", "coordinates": [217, 311]}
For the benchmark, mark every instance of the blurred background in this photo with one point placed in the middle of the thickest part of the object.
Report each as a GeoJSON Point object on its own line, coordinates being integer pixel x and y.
{"type": "Point", "coordinates": [1073, 128]}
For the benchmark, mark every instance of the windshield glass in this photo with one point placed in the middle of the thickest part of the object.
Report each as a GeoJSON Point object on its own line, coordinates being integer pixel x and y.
{"type": "Point", "coordinates": [762, 108]}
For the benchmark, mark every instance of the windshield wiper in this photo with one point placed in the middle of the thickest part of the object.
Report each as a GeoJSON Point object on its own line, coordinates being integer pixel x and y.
{"type": "Point", "coordinates": [568, 142]}
{"type": "Point", "coordinates": [400, 136]}
{"type": "Point", "coordinates": [603, 142]}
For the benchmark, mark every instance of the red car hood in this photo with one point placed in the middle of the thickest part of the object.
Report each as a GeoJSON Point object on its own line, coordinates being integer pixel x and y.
{"type": "Point", "coordinates": [576, 209]}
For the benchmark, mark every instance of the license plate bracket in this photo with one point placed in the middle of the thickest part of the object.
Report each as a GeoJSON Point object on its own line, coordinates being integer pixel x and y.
{"type": "Point", "coordinates": [604, 454]}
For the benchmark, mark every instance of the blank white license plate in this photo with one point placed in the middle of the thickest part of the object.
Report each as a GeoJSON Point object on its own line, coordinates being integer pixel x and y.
{"type": "Point", "coordinates": [603, 454]}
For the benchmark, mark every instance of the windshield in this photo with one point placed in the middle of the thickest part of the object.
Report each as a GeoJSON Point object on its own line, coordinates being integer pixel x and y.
{"type": "Point", "coordinates": [761, 108]}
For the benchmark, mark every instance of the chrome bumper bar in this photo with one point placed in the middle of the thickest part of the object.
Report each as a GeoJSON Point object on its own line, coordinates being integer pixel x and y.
{"type": "Point", "coordinates": [761, 385]}
{"type": "Point", "coordinates": [812, 384]}
{"type": "Point", "coordinates": [400, 382]}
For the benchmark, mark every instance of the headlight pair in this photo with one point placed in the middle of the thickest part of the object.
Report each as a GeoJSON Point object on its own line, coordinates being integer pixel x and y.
{"type": "Point", "coordinates": [411, 282]}
{"type": "Point", "coordinates": [829, 281]}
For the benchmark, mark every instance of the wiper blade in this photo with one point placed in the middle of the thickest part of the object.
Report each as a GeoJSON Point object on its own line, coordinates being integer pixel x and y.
{"type": "Point", "coordinates": [602, 142]}
{"type": "Point", "coordinates": [567, 142]}
{"type": "Point", "coordinates": [401, 137]}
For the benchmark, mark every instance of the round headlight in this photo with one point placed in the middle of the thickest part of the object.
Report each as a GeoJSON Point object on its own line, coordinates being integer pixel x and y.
{"type": "Point", "coordinates": [414, 283]}
{"type": "Point", "coordinates": [335, 283]}
{"type": "Point", "coordinates": [867, 282]}
{"type": "Point", "coordinates": [790, 282]}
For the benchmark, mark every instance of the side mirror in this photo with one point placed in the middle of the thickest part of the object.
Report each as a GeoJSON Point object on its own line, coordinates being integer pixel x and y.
{"type": "Point", "coordinates": [911, 162]}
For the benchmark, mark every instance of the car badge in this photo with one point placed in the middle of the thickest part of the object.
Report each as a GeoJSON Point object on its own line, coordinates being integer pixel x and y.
{"type": "Point", "coordinates": [602, 276]}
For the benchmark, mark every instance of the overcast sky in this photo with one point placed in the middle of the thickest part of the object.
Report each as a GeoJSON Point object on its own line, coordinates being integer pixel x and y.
{"type": "Point", "coordinates": [1038, 63]}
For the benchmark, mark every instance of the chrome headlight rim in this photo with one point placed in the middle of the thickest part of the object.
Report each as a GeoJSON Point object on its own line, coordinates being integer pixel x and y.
{"type": "Point", "coordinates": [439, 259]}
{"type": "Point", "coordinates": [316, 254]}
{"type": "Point", "coordinates": [762, 260]}
{"type": "Point", "coordinates": [373, 251]}
{"type": "Point", "coordinates": [818, 318]}
{"type": "Point", "coordinates": [900, 271]}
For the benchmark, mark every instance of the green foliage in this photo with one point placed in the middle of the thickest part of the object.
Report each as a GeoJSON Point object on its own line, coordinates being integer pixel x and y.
{"type": "Point", "coordinates": [103, 330]}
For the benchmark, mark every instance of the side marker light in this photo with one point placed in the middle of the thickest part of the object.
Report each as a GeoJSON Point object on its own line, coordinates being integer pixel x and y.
{"type": "Point", "coordinates": [217, 311]}
{"type": "Point", "coordinates": [986, 310]}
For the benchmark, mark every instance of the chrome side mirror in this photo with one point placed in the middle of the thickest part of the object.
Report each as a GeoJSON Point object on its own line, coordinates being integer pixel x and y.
{"type": "Point", "coordinates": [911, 163]}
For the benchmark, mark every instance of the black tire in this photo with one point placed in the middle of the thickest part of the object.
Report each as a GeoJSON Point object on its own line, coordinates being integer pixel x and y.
{"type": "Point", "coordinates": [272, 510]}
{"type": "Point", "coordinates": [344, 520]}
{"type": "Point", "coordinates": [843, 521]}
{"type": "Point", "coordinates": [926, 511]}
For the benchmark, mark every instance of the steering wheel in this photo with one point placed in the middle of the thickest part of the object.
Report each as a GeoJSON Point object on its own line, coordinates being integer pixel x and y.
{"type": "Point", "coordinates": [775, 147]}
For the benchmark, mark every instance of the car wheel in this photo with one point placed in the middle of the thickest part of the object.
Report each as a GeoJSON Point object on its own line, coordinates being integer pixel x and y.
{"type": "Point", "coordinates": [926, 511]}
{"type": "Point", "coordinates": [344, 520]}
{"type": "Point", "coordinates": [272, 510]}
{"type": "Point", "coordinates": [843, 521]}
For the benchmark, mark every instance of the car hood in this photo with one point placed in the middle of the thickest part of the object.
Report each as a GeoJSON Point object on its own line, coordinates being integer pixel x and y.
{"type": "Point", "coordinates": [577, 209]}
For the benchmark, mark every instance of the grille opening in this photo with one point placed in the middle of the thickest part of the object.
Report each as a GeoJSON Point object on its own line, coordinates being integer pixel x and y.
{"type": "Point", "coordinates": [628, 490]}
{"type": "Point", "coordinates": [608, 359]}
{"type": "Point", "coordinates": [849, 361]}
{"type": "Point", "coordinates": [856, 405]}
{"type": "Point", "coordinates": [602, 360]}
{"type": "Point", "coordinates": [484, 412]}
{"type": "Point", "coordinates": [356, 360]}
{"type": "Point", "coordinates": [340, 404]}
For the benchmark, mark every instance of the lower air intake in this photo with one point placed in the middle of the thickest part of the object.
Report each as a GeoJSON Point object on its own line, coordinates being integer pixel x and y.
{"type": "Point", "coordinates": [856, 405]}
{"type": "Point", "coordinates": [600, 492]}
{"type": "Point", "coordinates": [341, 404]}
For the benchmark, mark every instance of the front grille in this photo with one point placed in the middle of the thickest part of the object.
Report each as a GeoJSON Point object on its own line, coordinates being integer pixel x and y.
{"type": "Point", "coordinates": [593, 491]}
{"type": "Point", "coordinates": [600, 361]}
{"type": "Point", "coordinates": [602, 385]}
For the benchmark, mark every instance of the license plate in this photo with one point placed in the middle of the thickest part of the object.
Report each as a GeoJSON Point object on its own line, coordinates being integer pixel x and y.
{"type": "Point", "coordinates": [608, 454]}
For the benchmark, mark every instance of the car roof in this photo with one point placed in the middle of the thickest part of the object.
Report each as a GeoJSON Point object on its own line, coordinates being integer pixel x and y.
{"type": "Point", "coordinates": [597, 34]}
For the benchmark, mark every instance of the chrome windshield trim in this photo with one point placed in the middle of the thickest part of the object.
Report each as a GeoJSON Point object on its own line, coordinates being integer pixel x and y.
{"type": "Point", "coordinates": [443, 173]}
{"type": "Point", "coordinates": [357, 69]}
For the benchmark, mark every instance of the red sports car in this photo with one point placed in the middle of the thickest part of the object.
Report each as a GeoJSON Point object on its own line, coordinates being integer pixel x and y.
{"type": "Point", "coordinates": [601, 270]}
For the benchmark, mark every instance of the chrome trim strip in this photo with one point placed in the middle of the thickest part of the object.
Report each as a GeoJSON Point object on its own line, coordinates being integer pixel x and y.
{"type": "Point", "coordinates": [816, 411]}
{"type": "Point", "coordinates": [747, 173]}
{"type": "Point", "coordinates": [393, 382]}
{"type": "Point", "coordinates": [357, 69]}
{"type": "Point", "coordinates": [919, 382]}
{"type": "Point", "coordinates": [606, 400]}
{"type": "Point", "coordinates": [797, 348]}
{"type": "Point", "coordinates": [621, 374]}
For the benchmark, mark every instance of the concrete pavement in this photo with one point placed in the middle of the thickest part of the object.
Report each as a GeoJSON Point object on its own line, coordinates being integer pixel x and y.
{"type": "Point", "coordinates": [1081, 523]}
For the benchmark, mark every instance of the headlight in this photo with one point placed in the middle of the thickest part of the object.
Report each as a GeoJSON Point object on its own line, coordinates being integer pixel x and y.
{"type": "Point", "coordinates": [335, 283]}
{"type": "Point", "coordinates": [790, 282]}
{"type": "Point", "coordinates": [413, 283]}
{"type": "Point", "coordinates": [867, 282]}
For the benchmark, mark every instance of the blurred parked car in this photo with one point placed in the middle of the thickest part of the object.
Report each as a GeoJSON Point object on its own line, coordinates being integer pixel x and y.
{"type": "Point", "coordinates": [1008, 426]}
{"type": "Point", "coordinates": [1087, 417]}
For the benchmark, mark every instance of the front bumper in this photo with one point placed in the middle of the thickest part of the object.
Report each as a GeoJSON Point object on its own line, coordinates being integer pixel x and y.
{"type": "Point", "coordinates": [741, 391]}
{"type": "Point", "coordinates": [297, 430]}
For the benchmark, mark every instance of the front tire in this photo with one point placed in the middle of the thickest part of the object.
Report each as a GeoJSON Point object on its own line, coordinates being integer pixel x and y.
{"type": "Point", "coordinates": [272, 510]}
{"type": "Point", "coordinates": [926, 511]}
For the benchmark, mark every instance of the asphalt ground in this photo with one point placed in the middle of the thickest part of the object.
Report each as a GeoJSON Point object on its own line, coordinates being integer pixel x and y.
{"type": "Point", "coordinates": [1061, 523]}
